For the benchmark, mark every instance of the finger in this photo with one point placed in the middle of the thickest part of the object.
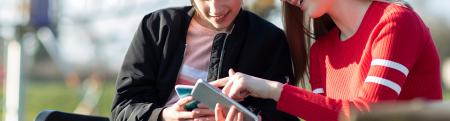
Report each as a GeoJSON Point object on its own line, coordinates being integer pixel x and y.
{"type": "Point", "coordinates": [219, 113]}
{"type": "Point", "coordinates": [240, 116]}
{"type": "Point", "coordinates": [227, 87]}
{"type": "Point", "coordinates": [232, 113]}
{"type": "Point", "coordinates": [231, 72]}
{"type": "Point", "coordinates": [231, 79]}
{"type": "Point", "coordinates": [237, 92]}
{"type": "Point", "coordinates": [220, 82]}
{"type": "Point", "coordinates": [202, 112]}
{"type": "Point", "coordinates": [182, 102]}
{"type": "Point", "coordinates": [185, 115]}
{"type": "Point", "coordinates": [208, 118]}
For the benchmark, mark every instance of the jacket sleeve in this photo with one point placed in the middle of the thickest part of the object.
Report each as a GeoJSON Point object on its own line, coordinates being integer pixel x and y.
{"type": "Point", "coordinates": [136, 96]}
{"type": "Point", "coordinates": [280, 70]}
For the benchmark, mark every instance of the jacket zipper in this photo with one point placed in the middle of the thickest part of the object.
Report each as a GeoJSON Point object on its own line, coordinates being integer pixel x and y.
{"type": "Point", "coordinates": [222, 53]}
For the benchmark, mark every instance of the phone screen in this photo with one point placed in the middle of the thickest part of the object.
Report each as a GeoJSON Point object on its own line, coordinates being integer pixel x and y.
{"type": "Point", "coordinates": [184, 91]}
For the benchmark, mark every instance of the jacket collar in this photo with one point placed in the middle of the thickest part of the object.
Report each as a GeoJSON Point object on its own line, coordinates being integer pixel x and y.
{"type": "Point", "coordinates": [235, 41]}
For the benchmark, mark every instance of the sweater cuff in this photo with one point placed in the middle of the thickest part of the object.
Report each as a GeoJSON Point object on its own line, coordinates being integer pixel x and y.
{"type": "Point", "coordinates": [284, 102]}
{"type": "Point", "coordinates": [292, 100]}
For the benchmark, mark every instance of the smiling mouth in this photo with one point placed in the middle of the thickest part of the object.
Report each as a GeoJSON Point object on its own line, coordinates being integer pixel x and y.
{"type": "Point", "coordinates": [218, 18]}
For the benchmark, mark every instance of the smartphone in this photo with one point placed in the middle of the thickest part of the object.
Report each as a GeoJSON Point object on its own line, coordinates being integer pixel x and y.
{"type": "Point", "coordinates": [210, 95]}
{"type": "Point", "coordinates": [184, 91]}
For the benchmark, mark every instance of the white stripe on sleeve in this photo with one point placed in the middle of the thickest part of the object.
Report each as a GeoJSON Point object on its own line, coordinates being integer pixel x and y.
{"type": "Point", "coordinates": [390, 64]}
{"type": "Point", "coordinates": [388, 83]}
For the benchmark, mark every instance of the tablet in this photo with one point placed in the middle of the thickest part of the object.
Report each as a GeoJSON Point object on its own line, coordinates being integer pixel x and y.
{"type": "Point", "coordinates": [184, 91]}
{"type": "Point", "coordinates": [210, 95]}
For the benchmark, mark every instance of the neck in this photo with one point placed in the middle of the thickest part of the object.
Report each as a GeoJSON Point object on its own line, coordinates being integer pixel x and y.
{"type": "Point", "coordinates": [202, 21]}
{"type": "Point", "coordinates": [348, 16]}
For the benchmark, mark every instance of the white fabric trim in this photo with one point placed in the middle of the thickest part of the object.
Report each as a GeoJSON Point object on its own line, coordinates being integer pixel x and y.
{"type": "Point", "coordinates": [390, 64]}
{"type": "Point", "coordinates": [388, 83]}
{"type": "Point", "coordinates": [318, 90]}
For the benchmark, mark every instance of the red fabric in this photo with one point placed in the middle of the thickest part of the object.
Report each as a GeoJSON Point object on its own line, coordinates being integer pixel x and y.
{"type": "Point", "coordinates": [391, 57]}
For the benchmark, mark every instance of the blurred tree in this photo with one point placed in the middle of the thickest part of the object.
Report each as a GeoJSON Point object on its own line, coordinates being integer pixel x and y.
{"type": "Point", "coordinates": [262, 7]}
{"type": "Point", "coordinates": [439, 25]}
{"type": "Point", "coordinates": [439, 30]}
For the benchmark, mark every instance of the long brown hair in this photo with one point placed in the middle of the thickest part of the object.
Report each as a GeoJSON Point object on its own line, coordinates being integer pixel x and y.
{"type": "Point", "coordinates": [300, 33]}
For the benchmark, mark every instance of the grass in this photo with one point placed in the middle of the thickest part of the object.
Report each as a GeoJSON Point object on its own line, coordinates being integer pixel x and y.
{"type": "Point", "coordinates": [447, 95]}
{"type": "Point", "coordinates": [55, 95]}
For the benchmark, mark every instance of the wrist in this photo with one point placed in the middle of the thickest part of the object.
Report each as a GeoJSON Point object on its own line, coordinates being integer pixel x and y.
{"type": "Point", "coordinates": [275, 90]}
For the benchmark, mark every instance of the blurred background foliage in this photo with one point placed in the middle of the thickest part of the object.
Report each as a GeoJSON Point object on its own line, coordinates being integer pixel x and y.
{"type": "Point", "coordinates": [73, 49]}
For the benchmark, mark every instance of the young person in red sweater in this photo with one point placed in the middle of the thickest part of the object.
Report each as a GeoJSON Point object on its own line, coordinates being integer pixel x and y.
{"type": "Point", "coordinates": [365, 52]}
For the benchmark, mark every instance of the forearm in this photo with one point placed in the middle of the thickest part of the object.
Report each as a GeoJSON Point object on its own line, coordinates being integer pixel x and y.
{"type": "Point", "coordinates": [275, 90]}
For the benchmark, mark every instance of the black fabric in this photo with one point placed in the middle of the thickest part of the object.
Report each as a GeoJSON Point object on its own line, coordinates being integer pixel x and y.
{"type": "Point", "coordinates": [63, 116]}
{"type": "Point", "coordinates": [152, 63]}
{"type": "Point", "coordinates": [216, 56]}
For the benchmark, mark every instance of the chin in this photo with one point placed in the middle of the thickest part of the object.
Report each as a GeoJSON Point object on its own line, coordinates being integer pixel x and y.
{"type": "Point", "coordinates": [220, 27]}
{"type": "Point", "coordinates": [314, 15]}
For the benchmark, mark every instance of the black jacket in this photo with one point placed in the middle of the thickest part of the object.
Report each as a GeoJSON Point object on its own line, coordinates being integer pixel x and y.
{"type": "Point", "coordinates": [149, 71]}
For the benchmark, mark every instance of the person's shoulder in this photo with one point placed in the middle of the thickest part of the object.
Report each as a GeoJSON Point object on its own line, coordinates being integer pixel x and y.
{"type": "Point", "coordinates": [397, 12]}
{"type": "Point", "coordinates": [401, 24]}
{"type": "Point", "coordinates": [398, 19]}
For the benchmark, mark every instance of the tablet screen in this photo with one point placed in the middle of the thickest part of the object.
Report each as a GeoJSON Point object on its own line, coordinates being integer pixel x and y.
{"type": "Point", "coordinates": [210, 95]}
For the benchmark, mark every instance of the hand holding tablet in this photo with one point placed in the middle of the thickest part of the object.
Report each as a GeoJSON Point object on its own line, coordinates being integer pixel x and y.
{"type": "Point", "coordinates": [209, 95]}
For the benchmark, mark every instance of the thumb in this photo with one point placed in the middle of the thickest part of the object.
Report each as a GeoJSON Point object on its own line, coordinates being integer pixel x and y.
{"type": "Point", "coordinates": [231, 72]}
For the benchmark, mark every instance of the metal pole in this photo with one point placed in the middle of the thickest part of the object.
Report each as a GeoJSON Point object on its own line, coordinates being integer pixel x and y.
{"type": "Point", "coordinates": [13, 85]}
{"type": "Point", "coordinates": [10, 18]}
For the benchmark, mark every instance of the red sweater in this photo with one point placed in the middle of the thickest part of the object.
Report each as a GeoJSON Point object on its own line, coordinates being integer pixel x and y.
{"type": "Point", "coordinates": [391, 57]}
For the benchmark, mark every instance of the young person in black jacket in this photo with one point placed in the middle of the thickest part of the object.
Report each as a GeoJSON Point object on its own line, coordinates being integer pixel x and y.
{"type": "Point", "coordinates": [180, 45]}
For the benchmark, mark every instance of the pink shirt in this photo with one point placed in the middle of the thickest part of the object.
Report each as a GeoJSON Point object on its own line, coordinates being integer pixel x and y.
{"type": "Point", "coordinates": [197, 55]}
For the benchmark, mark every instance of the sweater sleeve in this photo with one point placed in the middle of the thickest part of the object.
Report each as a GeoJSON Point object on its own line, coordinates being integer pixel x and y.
{"type": "Point", "coordinates": [395, 49]}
